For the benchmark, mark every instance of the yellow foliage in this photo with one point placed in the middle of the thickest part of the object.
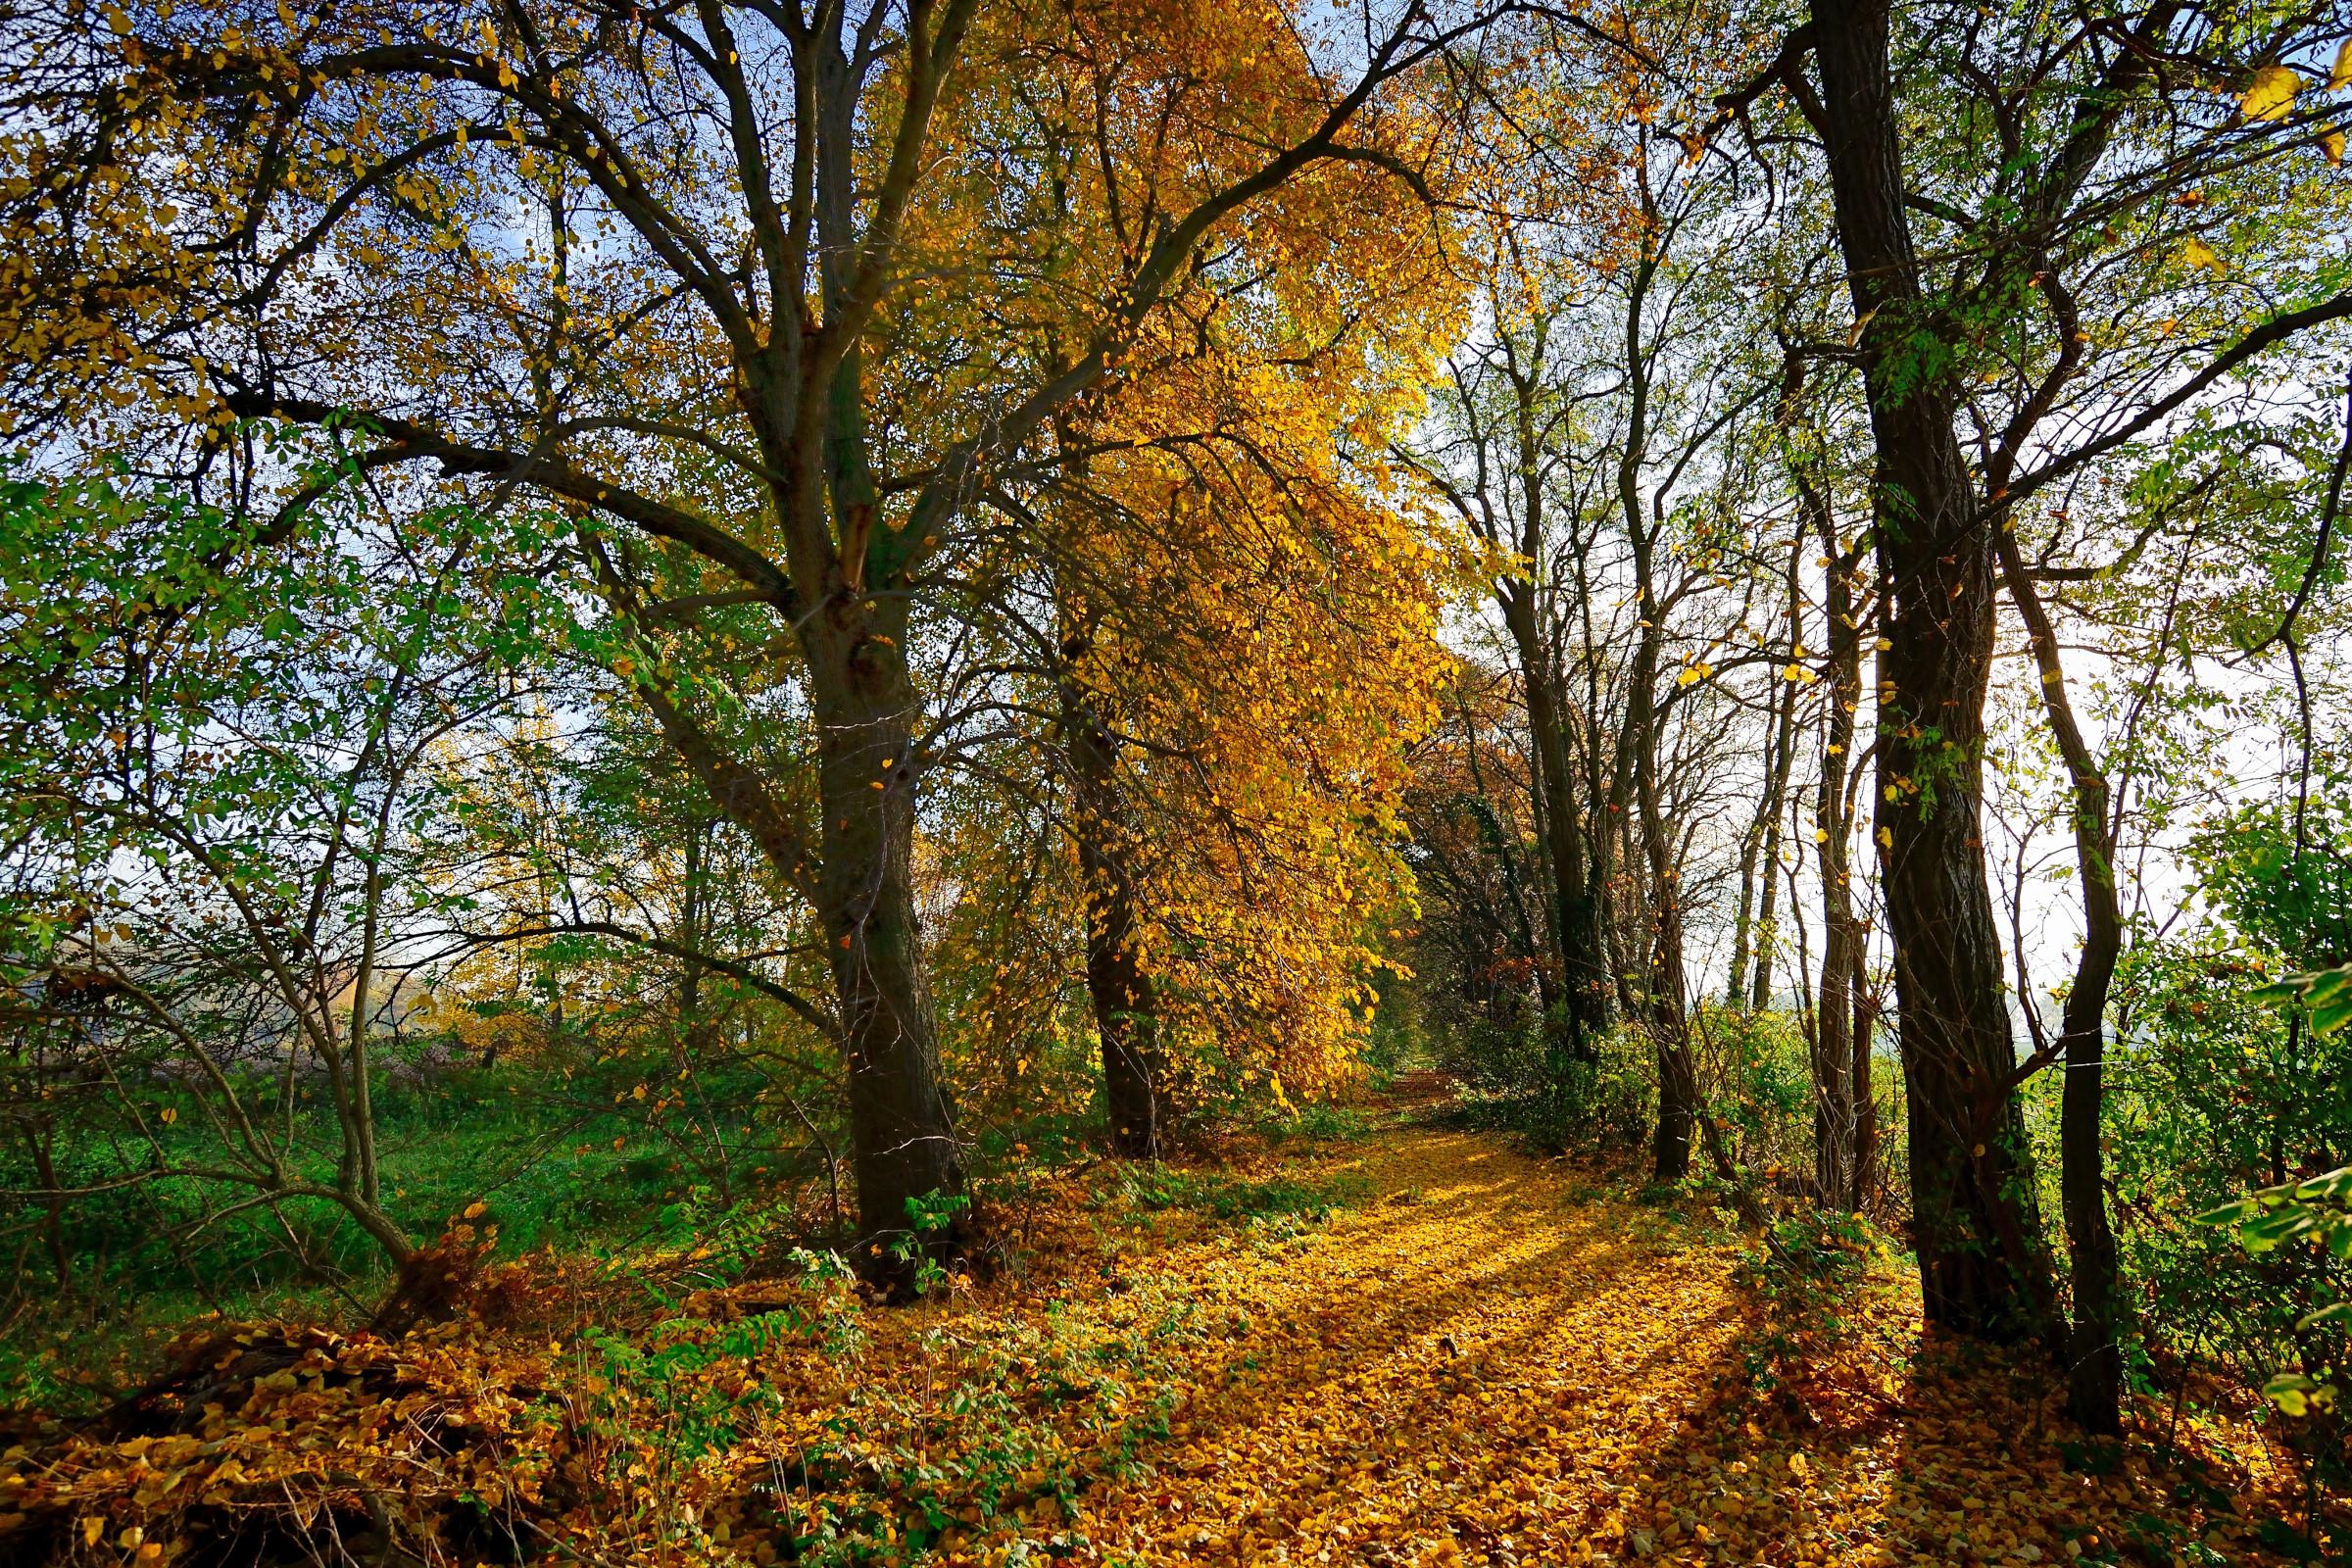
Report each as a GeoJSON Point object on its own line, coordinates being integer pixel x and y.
{"type": "Point", "coordinates": [2272, 94]}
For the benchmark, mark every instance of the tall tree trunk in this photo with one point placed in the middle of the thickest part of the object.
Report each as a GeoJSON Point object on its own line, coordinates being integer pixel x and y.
{"type": "Point", "coordinates": [1759, 853]}
{"type": "Point", "coordinates": [2094, 1369]}
{"type": "Point", "coordinates": [1776, 795]}
{"type": "Point", "coordinates": [1734, 991]}
{"type": "Point", "coordinates": [1607, 785]}
{"type": "Point", "coordinates": [1124, 1018]}
{"type": "Point", "coordinates": [1840, 1057]}
{"type": "Point", "coordinates": [1975, 1230]}
{"type": "Point", "coordinates": [686, 1043]}
{"type": "Point", "coordinates": [1866, 1107]}
{"type": "Point", "coordinates": [1678, 1073]}
{"type": "Point", "coordinates": [40, 1137]}
{"type": "Point", "coordinates": [1574, 921]}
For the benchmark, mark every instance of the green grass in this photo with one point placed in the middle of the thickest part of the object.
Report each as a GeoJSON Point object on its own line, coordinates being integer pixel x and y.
{"type": "Point", "coordinates": [572, 1161]}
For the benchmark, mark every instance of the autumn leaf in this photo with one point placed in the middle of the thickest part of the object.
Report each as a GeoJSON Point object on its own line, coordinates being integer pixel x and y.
{"type": "Point", "coordinates": [2195, 252]}
{"type": "Point", "coordinates": [2272, 94]}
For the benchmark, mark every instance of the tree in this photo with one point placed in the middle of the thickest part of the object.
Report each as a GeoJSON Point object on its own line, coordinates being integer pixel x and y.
{"type": "Point", "coordinates": [2026, 332]}
{"type": "Point", "coordinates": [213, 772]}
{"type": "Point", "coordinates": [719, 342]}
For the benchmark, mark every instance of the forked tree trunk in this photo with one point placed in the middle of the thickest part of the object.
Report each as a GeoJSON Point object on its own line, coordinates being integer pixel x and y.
{"type": "Point", "coordinates": [1636, 773]}
{"type": "Point", "coordinates": [1865, 1108]}
{"type": "Point", "coordinates": [1125, 1020]}
{"type": "Point", "coordinates": [1975, 1230]}
{"type": "Point", "coordinates": [1668, 1027]}
{"type": "Point", "coordinates": [1574, 922]}
{"type": "Point", "coordinates": [1776, 795]}
{"type": "Point", "coordinates": [1734, 991]}
{"type": "Point", "coordinates": [1840, 1053]}
{"type": "Point", "coordinates": [1752, 933]}
{"type": "Point", "coordinates": [1678, 1072]}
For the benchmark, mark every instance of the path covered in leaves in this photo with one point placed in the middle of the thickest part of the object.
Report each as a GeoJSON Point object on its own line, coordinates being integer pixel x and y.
{"type": "Point", "coordinates": [1418, 1346]}
{"type": "Point", "coordinates": [1488, 1361]}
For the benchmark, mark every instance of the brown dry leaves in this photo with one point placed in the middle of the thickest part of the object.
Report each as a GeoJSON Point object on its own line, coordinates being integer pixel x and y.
{"type": "Point", "coordinates": [1480, 1362]}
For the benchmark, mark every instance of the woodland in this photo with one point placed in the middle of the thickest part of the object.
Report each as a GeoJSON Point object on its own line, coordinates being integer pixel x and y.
{"type": "Point", "coordinates": [1175, 781]}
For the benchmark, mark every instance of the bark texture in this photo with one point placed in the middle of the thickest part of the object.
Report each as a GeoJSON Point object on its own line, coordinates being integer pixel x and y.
{"type": "Point", "coordinates": [1976, 1230]}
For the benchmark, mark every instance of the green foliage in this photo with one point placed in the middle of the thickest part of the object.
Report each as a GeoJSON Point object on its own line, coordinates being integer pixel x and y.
{"type": "Point", "coordinates": [2211, 1096]}
{"type": "Point", "coordinates": [653, 1394]}
{"type": "Point", "coordinates": [2291, 890]}
{"type": "Point", "coordinates": [1159, 1187]}
{"type": "Point", "coordinates": [1023, 1422]}
{"type": "Point", "coordinates": [1762, 1085]}
{"type": "Point", "coordinates": [2317, 1211]}
{"type": "Point", "coordinates": [1807, 1273]}
{"type": "Point", "coordinates": [572, 1160]}
{"type": "Point", "coordinates": [1319, 1121]}
{"type": "Point", "coordinates": [2326, 995]}
{"type": "Point", "coordinates": [1527, 1081]}
{"type": "Point", "coordinates": [930, 1216]}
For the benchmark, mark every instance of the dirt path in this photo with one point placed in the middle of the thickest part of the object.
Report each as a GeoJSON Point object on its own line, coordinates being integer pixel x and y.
{"type": "Point", "coordinates": [1485, 1361]}
{"type": "Point", "coordinates": [1470, 1360]}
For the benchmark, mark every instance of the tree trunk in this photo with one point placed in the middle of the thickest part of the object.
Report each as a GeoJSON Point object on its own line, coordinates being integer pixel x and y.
{"type": "Point", "coordinates": [1865, 1108]}
{"type": "Point", "coordinates": [1776, 794]}
{"type": "Point", "coordinates": [904, 1149]}
{"type": "Point", "coordinates": [686, 1040]}
{"type": "Point", "coordinates": [1637, 768]}
{"type": "Point", "coordinates": [1840, 1056]}
{"type": "Point", "coordinates": [2094, 1369]}
{"type": "Point", "coordinates": [1125, 1017]}
{"type": "Point", "coordinates": [1678, 1073]}
{"type": "Point", "coordinates": [1575, 922]}
{"type": "Point", "coordinates": [40, 1136]}
{"type": "Point", "coordinates": [1735, 992]}
{"type": "Point", "coordinates": [1759, 853]}
{"type": "Point", "coordinates": [1975, 1230]}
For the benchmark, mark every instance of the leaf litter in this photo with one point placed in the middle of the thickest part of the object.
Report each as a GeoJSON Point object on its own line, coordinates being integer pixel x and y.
{"type": "Point", "coordinates": [1425, 1348]}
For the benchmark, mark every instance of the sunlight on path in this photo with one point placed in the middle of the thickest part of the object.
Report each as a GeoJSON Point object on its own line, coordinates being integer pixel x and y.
{"type": "Point", "coordinates": [1485, 1361]}
{"type": "Point", "coordinates": [1473, 1360]}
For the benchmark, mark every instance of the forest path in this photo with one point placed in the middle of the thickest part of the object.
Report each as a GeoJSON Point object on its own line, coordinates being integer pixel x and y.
{"type": "Point", "coordinates": [1417, 1345]}
{"type": "Point", "coordinates": [1486, 1360]}
{"type": "Point", "coordinates": [1471, 1362]}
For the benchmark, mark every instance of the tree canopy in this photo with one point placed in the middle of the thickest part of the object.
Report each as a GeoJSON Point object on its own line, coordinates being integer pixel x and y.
{"type": "Point", "coordinates": [775, 623]}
